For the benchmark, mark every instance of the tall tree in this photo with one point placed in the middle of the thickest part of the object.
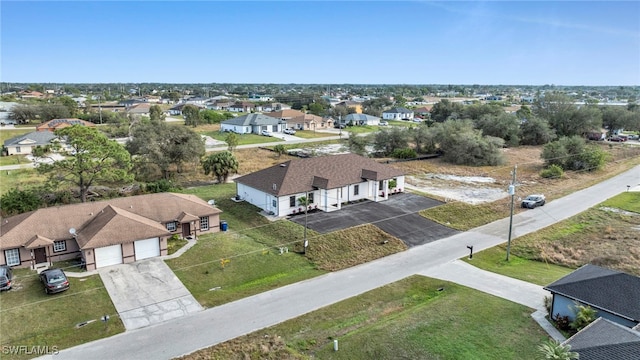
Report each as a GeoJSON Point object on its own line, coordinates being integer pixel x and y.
{"type": "Point", "coordinates": [358, 144]}
{"type": "Point", "coordinates": [535, 131]}
{"type": "Point", "coordinates": [69, 103]}
{"type": "Point", "coordinates": [565, 117]}
{"type": "Point", "coordinates": [94, 159]}
{"type": "Point", "coordinates": [388, 141]}
{"type": "Point", "coordinates": [505, 126]}
{"type": "Point", "coordinates": [445, 109]}
{"type": "Point", "coordinates": [221, 165]}
{"type": "Point", "coordinates": [191, 115]}
{"type": "Point", "coordinates": [165, 146]}
{"type": "Point", "coordinates": [232, 141]}
{"type": "Point", "coordinates": [156, 114]}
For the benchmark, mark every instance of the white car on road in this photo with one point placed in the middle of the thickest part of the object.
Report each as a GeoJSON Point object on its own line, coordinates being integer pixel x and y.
{"type": "Point", "coordinates": [266, 133]}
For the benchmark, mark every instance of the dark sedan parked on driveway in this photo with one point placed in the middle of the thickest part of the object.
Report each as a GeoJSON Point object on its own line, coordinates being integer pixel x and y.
{"type": "Point", "coordinates": [533, 201]}
{"type": "Point", "coordinates": [54, 281]}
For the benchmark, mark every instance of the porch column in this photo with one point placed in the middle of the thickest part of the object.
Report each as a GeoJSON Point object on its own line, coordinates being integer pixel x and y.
{"type": "Point", "coordinates": [339, 198]}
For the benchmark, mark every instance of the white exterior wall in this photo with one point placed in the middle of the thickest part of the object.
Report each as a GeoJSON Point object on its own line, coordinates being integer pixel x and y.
{"type": "Point", "coordinates": [252, 196]}
{"type": "Point", "coordinates": [235, 128]}
{"type": "Point", "coordinates": [391, 116]}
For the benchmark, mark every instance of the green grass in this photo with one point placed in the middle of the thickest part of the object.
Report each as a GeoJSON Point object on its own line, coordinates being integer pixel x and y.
{"type": "Point", "coordinates": [19, 179]}
{"type": "Point", "coordinates": [30, 317]}
{"type": "Point", "coordinates": [310, 134]}
{"type": "Point", "coordinates": [8, 134]}
{"type": "Point", "coordinates": [494, 260]}
{"type": "Point", "coordinates": [174, 244]}
{"type": "Point", "coordinates": [409, 319]}
{"type": "Point", "coordinates": [14, 160]}
{"type": "Point", "coordinates": [628, 201]}
{"type": "Point", "coordinates": [462, 216]}
{"type": "Point", "coordinates": [360, 129]}
{"type": "Point", "coordinates": [249, 268]}
{"type": "Point", "coordinates": [243, 139]}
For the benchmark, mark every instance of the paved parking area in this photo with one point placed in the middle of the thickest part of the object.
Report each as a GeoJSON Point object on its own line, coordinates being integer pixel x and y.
{"type": "Point", "coordinates": [398, 216]}
{"type": "Point", "coordinates": [147, 292]}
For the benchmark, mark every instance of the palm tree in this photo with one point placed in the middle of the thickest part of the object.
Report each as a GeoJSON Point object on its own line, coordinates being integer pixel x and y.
{"type": "Point", "coordinates": [221, 165]}
{"type": "Point", "coordinates": [555, 350]}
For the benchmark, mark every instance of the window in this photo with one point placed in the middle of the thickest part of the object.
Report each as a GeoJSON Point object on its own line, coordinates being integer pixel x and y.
{"type": "Point", "coordinates": [204, 223]}
{"type": "Point", "coordinates": [356, 189]}
{"type": "Point", "coordinates": [59, 245]}
{"type": "Point", "coordinates": [171, 226]}
{"type": "Point", "coordinates": [17, 149]}
{"type": "Point", "coordinates": [292, 201]}
{"type": "Point", "coordinates": [310, 198]}
{"type": "Point", "coordinates": [12, 256]}
{"type": "Point", "coordinates": [274, 203]}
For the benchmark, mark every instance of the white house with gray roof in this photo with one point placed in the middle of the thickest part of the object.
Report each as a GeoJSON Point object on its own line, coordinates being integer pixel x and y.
{"type": "Point", "coordinates": [360, 119]}
{"type": "Point", "coordinates": [24, 144]}
{"type": "Point", "coordinates": [397, 113]}
{"type": "Point", "coordinates": [253, 124]}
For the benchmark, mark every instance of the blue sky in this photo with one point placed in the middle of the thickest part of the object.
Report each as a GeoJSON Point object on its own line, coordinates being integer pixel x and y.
{"type": "Point", "coordinates": [358, 42]}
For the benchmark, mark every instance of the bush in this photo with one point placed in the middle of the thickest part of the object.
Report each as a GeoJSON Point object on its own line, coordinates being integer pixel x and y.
{"type": "Point", "coordinates": [406, 153]}
{"type": "Point", "coordinates": [552, 172]}
{"type": "Point", "coordinates": [572, 153]}
{"type": "Point", "coordinates": [562, 322]}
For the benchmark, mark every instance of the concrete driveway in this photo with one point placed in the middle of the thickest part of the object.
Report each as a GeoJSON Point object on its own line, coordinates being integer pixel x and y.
{"type": "Point", "coordinates": [397, 216]}
{"type": "Point", "coordinates": [147, 292]}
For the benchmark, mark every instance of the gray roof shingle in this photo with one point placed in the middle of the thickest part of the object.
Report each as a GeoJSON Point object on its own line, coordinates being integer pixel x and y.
{"type": "Point", "coordinates": [253, 119]}
{"type": "Point", "coordinates": [596, 286]}
{"type": "Point", "coordinates": [398, 110]}
{"type": "Point", "coordinates": [606, 340]}
{"type": "Point", "coordinates": [327, 172]}
{"type": "Point", "coordinates": [33, 138]}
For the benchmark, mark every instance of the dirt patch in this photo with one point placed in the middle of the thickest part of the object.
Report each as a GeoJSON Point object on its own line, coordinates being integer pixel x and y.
{"type": "Point", "coordinates": [470, 189]}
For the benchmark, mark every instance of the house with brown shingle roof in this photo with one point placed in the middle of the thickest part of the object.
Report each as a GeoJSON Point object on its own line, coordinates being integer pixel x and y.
{"type": "Point", "coordinates": [309, 122]}
{"type": "Point", "coordinates": [55, 124]}
{"type": "Point", "coordinates": [326, 181]}
{"type": "Point", "coordinates": [104, 233]}
{"type": "Point", "coordinates": [286, 114]}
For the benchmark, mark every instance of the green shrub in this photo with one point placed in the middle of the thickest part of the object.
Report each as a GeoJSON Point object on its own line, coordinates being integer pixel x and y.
{"type": "Point", "coordinates": [406, 153]}
{"type": "Point", "coordinates": [552, 171]}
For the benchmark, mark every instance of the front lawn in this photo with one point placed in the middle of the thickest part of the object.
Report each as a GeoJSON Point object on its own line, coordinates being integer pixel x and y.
{"type": "Point", "coordinates": [14, 160]}
{"type": "Point", "coordinates": [540, 273]}
{"type": "Point", "coordinates": [310, 134]}
{"type": "Point", "coordinates": [30, 317]}
{"type": "Point", "coordinates": [243, 139]}
{"type": "Point", "coordinates": [19, 179]}
{"type": "Point", "coordinates": [416, 318]}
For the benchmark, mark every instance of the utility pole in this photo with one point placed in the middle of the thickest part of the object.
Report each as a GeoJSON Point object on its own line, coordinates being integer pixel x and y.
{"type": "Point", "coordinates": [512, 192]}
{"type": "Point", "coordinates": [306, 207]}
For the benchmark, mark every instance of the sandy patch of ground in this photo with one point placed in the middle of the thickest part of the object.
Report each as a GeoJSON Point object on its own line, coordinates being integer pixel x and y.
{"type": "Point", "coordinates": [470, 189]}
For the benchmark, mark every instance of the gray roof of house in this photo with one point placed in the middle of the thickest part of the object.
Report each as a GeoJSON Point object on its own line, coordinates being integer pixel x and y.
{"type": "Point", "coordinates": [601, 288]}
{"type": "Point", "coordinates": [323, 172]}
{"type": "Point", "coordinates": [39, 138]}
{"type": "Point", "coordinates": [398, 110]}
{"type": "Point", "coordinates": [253, 119]}
{"type": "Point", "coordinates": [357, 117]}
{"type": "Point", "coordinates": [604, 339]}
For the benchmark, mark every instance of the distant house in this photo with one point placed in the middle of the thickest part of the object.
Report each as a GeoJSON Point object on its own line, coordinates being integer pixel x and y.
{"type": "Point", "coordinates": [360, 119]}
{"type": "Point", "coordinates": [285, 114]}
{"type": "Point", "coordinates": [24, 144]}
{"type": "Point", "coordinates": [614, 295]}
{"type": "Point", "coordinates": [242, 106]}
{"type": "Point", "coordinates": [28, 94]}
{"type": "Point", "coordinates": [269, 107]}
{"type": "Point", "coordinates": [177, 109]}
{"type": "Point", "coordinates": [309, 122]}
{"type": "Point", "coordinates": [253, 124]}
{"type": "Point", "coordinates": [104, 233]}
{"type": "Point", "coordinates": [357, 106]}
{"type": "Point", "coordinates": [55, 124]}
{"type": "Point", "coordinates": [606, 340]}
{"type": "Point", "coordinates": [326, 181]}
{"type": "Point", "coordinates": [141, 109]}
{"type": "Point", "coordinates": [397, 113]}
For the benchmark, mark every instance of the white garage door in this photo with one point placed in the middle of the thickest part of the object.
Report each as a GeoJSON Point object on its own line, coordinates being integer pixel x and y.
{"type": "Point", "coordinates": [147, 248]}
{"type": "Point", "coordinates": [108, 255]}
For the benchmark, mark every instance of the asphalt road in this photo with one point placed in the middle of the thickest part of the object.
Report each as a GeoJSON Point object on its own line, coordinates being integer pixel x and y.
{"type": "Point", "coordinates": [212, 326]}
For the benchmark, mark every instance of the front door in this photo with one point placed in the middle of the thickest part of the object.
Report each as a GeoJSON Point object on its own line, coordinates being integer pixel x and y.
{"type": "Point", "coordinates": [186, 229]}
{"type": "Point", "coordinates": [40, 255]}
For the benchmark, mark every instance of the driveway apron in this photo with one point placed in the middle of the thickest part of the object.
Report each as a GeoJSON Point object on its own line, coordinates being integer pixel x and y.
{"type": "Point", "coordinates": [147, 292]}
